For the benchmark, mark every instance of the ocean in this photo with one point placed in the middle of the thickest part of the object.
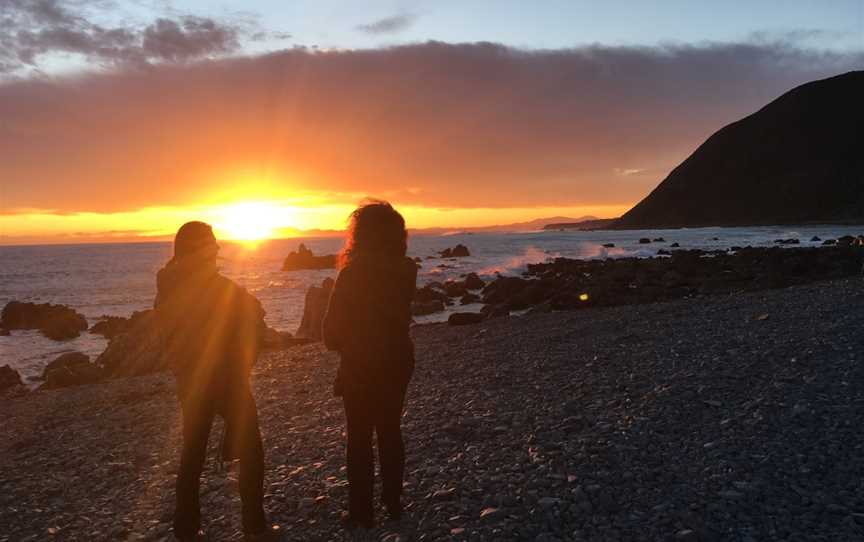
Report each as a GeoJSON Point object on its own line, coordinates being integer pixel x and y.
{"type": "Point", "coordinates": [117, 279]}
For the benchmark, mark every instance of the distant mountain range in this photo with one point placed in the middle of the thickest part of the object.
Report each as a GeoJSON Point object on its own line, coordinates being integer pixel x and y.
{"type": "Point", "coordinates": [798, 160]}
{"type": "Point", "coordinates": [532, 225]}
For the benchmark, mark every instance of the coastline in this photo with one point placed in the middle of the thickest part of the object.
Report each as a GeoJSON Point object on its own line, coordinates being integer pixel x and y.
{"type": "Point", "coordinates": [693, 419]}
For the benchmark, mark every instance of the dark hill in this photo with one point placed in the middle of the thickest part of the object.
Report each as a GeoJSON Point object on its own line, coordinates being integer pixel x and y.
{"type": "Point", "coordinates": [800, 159]}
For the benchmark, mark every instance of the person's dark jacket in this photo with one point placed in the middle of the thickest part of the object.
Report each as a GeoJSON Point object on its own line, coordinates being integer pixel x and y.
{"type": "Point", "coordinates": [367, 322]}
{"type": "Point", "coordinates": [210, 328]}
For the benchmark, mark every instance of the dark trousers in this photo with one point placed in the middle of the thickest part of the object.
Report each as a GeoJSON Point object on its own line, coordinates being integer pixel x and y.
{"type": "Point", "coordinates": [243, 441]}
{"type": "Point", "coordinates": [381, 411]}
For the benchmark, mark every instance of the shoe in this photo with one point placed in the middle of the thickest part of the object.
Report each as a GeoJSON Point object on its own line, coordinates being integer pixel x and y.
{"type": "Point", "coordinates": [271, 534]}
{"type": "Point", "coordinates": [350, 522]}
{"type": "Point", "coordinates": [394, 510]}
{"type": "Point", "coordinates": [196, 537]}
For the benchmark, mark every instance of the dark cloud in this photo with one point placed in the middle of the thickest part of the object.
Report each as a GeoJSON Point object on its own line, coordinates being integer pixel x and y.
{"type": "Point", "coordinates": [31, 29]}
{"type": "Point", "coordinates": [388, 25]}
{"type": "Point", "coordinates": [452, 125]}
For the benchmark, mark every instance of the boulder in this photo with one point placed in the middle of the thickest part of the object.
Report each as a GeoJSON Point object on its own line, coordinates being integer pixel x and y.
{"type": "Point", "coordinates": [787, 241]}
{"type": "Point", "coordinates": [608, 245]}
{"type": "Point", "coordinates": [429, 293]}
{"type": "Point", "coordinates": [9, 378]}
{"type": "Point", "coordinates": [56, 322]}
{"type": "Point", "coordinates": [502, 289]}
{"type": "Point", "coordinates": [828, 242]}
{"type": "Point", "coordinates": [110, 326]}
{"type": "Point", "coordinates": [421, 308]}
{"type": "Point", "coordinates": [644, 241]}
{"type": "Point", "coordinates": [455, 288]}
{"type": "Point", "coordinates": [137, 351]}
{"type": "Point", "coordinates": [815, 239]}
{"type": "Point", "coordinates": [70, 369]}
{"type": "Point", "coordinates": [474, 282]}
{"type": "Point", "coordinates": [459, 251]}
{"type": "Point", "coordinates": [303, 258]}
{"type": "Point", "coordinates": [314, 309]}
{"type": "Point", "coordinates": [674, 245]}
{"type": "Point", "coordinates": [465, 318]}
{"type": "Point", "coordinates": [659, 240]}
{"type": "Point", "coordinates": [469, 298]}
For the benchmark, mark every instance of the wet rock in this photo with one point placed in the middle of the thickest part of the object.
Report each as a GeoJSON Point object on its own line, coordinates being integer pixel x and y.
{"type": "Point", "coordinates": [303, 258]}
{"type": "Point", "coordinates": [70, 369]}
{"type": "Point", "coordinates": [465, 318]}
{"type": "Point", "coordinates": [459, 251]}
{"type": "Point", "coordinates": [644, 241]}
{"type": "Point", "coordinates": [430, 292]}
{"type": "Point", "coordinates": [111, 326]}
{"type": "Point", "coordinates": [474, 282]}
{"type": "Point", "coordinates": [675, 245]}
{"type": "Point", "coordinates": [469, 298]}
{"type": "Point", "coordinates": [659, 240]}
{"type": "Point", "coordinates": [421, 308]}
{"type": "Point", "coordinates": [57, 322]}
{"type": "Point", "coordinates": [815, 239]}
{"type": "Point", "coordinates": [314, 309]}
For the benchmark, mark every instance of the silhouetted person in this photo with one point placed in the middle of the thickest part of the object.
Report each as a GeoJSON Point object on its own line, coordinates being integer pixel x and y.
{"type": "Point", "coordinates": [211, 327]}
{"type": "Point", "coordinates": [367, 323]}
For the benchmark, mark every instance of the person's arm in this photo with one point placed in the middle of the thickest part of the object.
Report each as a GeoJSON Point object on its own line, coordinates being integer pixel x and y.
{"type": "Point", "coordinates": [249, 328]}
{"type": "Point", "coordinates": [335, 326]}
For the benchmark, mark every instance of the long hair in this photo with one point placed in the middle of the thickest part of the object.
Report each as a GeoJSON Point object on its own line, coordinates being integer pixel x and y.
{"type": "Point", "coordinates": [376, 230]}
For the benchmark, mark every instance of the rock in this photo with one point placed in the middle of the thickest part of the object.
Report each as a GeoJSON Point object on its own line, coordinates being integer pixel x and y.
{"type": "Point", "coordinates": [469, 298]}
{"type": "Point", "coordinates": [787, 241]}
{"type": "Point", "coordinates": [314, 309]}
{"type": "Point", "coordinates": [502, 289]}
{"type": "Point", "coordinates": [9, 378]}
{"type": "Point", "coordinates": [138, 351]}
{"type": "Point", "coordinates": [273, 339]}
{"type": "Point", "coordinates": [459, 251]}
{"type": "Point", "coordinates": [828, 242]}
{"type": "Point", "coordinates": [474, 282]}
{"type": "Point", "coordinates": [465, 318]}
{"type": "Point", "coordinates": [455, 288]}
{"type": "Point", "coordinates": [56, 322]}
{"type": "Point", "coordinates": [420, 308]}
{"type": "Point", "coordinates": [815, 239]}
{"type": "Point", "coordinates": [674, 245]}
{"type": "Point", "coordinates": [303, 258]}
{"type": "Point", "coordinates": [70, 369]}
{"type": "Point", "coordinates": [659, 240]}
{"type": "Point", "coordinates": [491, 515]}
{"type": "Point", "coordinates": [429, 293]}
{"type": "Point", "coordinates": [644, 241]}
{"type": "Point", "coordinates": [110, 326]}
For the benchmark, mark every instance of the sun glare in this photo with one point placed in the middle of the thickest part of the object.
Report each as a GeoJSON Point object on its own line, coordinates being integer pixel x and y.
{"type": "Point", "coordinates": [250, 221]}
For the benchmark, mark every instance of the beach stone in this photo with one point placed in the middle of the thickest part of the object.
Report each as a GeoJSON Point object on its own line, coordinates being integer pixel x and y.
{"type": "Point", "coordinates": [465, 318]}
{"type": "Point", "coordinates": [111, 326]}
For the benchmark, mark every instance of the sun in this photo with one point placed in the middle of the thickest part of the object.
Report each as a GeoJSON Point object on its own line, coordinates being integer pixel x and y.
{"type": "Point", "coordinates": [250, 221]}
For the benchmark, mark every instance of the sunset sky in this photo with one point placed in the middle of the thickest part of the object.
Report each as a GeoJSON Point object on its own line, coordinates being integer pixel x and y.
{"type": "Point", "coordinates": [122, 120]}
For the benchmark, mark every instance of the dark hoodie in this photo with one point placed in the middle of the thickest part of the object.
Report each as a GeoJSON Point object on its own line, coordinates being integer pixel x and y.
{"type": "Point", "coordinates": [367, 322]}
{"type": "Point", "coordinates": [210, 326]}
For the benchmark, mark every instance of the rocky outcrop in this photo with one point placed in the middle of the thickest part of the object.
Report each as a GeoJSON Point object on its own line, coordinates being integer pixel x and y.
{"type": "Point", "coordinates": [424, 308]}
{"type": "Point", "coordinates": [565, 284]}
{"type": "Point", "coordinates": [110, 326]}
{"type": "Point", "coordinates": [314, 309]}
{"type": "Point", "coordinates": [797, 160]}
{"type": "Point", "coordinates": [70, 369]}
{"type": "Point", "coordinates": [459, 251]}
{"type": "Point", "coordinates": [303, 258]}
{"type": "Point", "coordinates": [137, 351]}
{"type": "Point", "coordinates": [57, 322]}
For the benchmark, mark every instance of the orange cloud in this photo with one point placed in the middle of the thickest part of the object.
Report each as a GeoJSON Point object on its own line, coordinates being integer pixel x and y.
{"type": "Point", "coordinates": [434, 125]}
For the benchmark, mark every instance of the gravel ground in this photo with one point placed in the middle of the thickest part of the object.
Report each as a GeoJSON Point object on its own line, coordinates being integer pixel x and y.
{"type": "Point", "coordinates": [713, 418]}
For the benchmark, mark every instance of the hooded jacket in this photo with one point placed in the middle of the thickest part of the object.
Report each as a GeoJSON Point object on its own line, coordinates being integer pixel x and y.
{"type": "Point", "coordinates": [367, 322]}
{"type": "Point", "coordinates": [210, 328]}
